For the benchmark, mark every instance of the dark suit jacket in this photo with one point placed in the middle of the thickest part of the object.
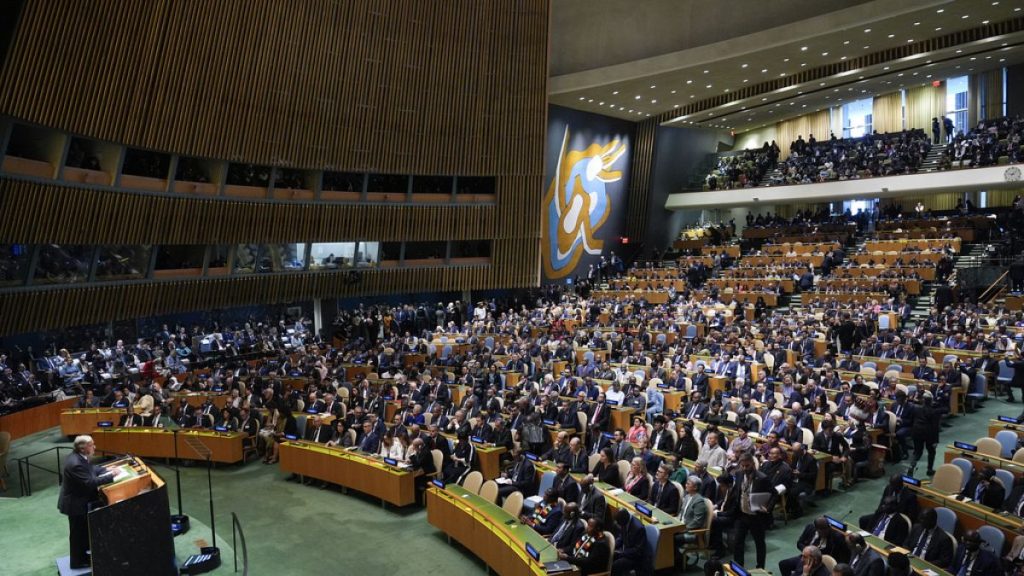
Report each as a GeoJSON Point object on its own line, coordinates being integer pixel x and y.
{"type": "Point", "coordinates": [834, 546]}
{"type": "Point", "coordinates": [1010, 505]}
{"type": "Point", "coordinates": [666, 499]}
{"type": "Point", "coordinates": [661, 441]}
{"type": "Point", "coordinates": [986, 563]}
{"type": "Point", "coordinates": [423, 460]}
{"type": "Point", "coordinates": [631, 541]}
{"type": "Point", "coordinates": [819, 571]}
{"type": "Point", "coordinates": [502, 438]}
{"type": "Point", "coordinates": [567, 488]}
{"type": "Point", "coordinates": [897, 530]}
{"type": "Point", "coordinates": [993, 496]}
{"type": "Point", "coordinates": [869, 563]}
{"type": "Point", "coordinates": [593, 504]}
{"type": "Point", "coordinates": [80, 486]}
{"type": "Point", "coordinates": [695, 411]}
{"type": "Point", "coordinates": [608, 475]}
{"type": "Point", "coordinates": [599, 418]}
{"type": "Point", "coordinates": [551, 523]}
{"type": "Point", "coordinates": [570, 535]}
{"type": "Point", "coordinates": [523, 475]}
{"type": "Point", "coordinates": [940, 549]}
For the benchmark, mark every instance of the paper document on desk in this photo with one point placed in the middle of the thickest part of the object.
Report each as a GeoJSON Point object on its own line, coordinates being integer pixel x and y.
{"type": "Point", "coordinates": [615, 491]}
{"type": "Point", "coordinates": [759, 501]}
{"type": "Point", "coordinates": [502, 481]}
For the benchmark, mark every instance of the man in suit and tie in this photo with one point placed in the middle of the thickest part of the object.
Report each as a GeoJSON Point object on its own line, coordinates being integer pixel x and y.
{"type": "Point", "coordinates": [420, 458]}
{"type": "Point", "coordinates": [984, 490]}
{"type": "Point", "coordinates": [928, 541]}
{"type": "Point", "coordinates": [520, 477]}
{"type": "Point", "coordinates": [660, 438]}
{"type": "Point", "coordinates": [564, 485]}
{"type": "Point", "coordinates": [663, 493]}
{"type": "Point", "coordinates": [1015, 501]}
{"type": "Point", "coordinates": [820, 535]}
{"type": "Point", "coordinates": [923, 371]}
{"type": "Point", "coordinates": [600, 415]}
{"type": "Point", "coordinates": [547, 516]}
{"type": "Point", "coordinates": [971, 560]}
{"type": "Point", "coordinates": [622, 449]}
{"type": "Point", "coordinates": [752, 520]}
{"type": "Point", "coordinates": [906, 503]}
{"type": "Point", "coordinates": [863, 560]}
{"type": "Point", "coordinates": [590, 554]}
{"type": "Point", "coordinates": [130, 419]}
{"type": "Point", "coordinates": [889, 524]}
{"type": "Point", "coordinates": [591, 501]}
{"type": "Point", "coordinates": [700, 381]}
{"type": "Point", "coordinates": [80, 488]}
{"type": "Point", "coordinates": [695, 409]}
{"type": "Point", "coordinates": [570, 530]}
{"type": "Point", "coordinates": [317, 432]}
{"type": "Point", "coordinates": [693, 510]}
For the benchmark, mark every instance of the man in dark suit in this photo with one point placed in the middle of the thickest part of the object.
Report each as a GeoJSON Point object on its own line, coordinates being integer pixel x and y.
{"type": "Point", "coordinates": [906, 503]}
{"type": "Point", "coordinates": [80, 487]}
{"type": "Point", "coordinates": [889, 524]}
{"type": "Point", "coordinates": [622, 449]}
{"type": "Point", "coordinates": [923, 371]}
{"type": "Point", "coordinates": [752, 519]}
{"type": "Point", "coordinates": [663, 493]}
{"type": "Point", "coordinates": [700, 381]}
{"type": "Point", "coordinates": [695, 409]}
{"type": "Point", "coordinates": [660, 438]}
{"type": "Point", "coordinates": [1015, 501]}
{"type": "Point", "coordinates": [421, 458]}
{"type": "Point", "coordinates": [599, 416]}
{"type": "Point", "coordinates": [863, 560]}
{"type": "Point", "coordinates": [564, 484]}
{"type": "Point", "coordinates": [521, 477]}
{"type": "Point", "coordinates": [928, 541]}
{"type": "Point", "coordinates": [570, 530]}
{"type": "Point", "coordinates": [817, 534]}
{"type": "Point", "coordinates": [982, 489]}
{"type": "Point", "coordinates": [317, 431]}
{"type": "Point", "coordinates": [591, 501]}
{"type": "Point", "coordinates": [804, 470]}
{"type": "Point", "coordinates": [971, 560]}
{"type": "Point", "coordinates": [502, 436]}
{"type": "Point", "coordinates": [809, 563]}
{"type": "Point", "coordinates": [547, 516]}
{"type": "Point", "coordinates": [630, 544]}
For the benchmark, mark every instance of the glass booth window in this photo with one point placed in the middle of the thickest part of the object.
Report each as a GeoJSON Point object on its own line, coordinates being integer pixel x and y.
{"type": "Point", "coordinates": [281, 258]}
{"type": "Point", "coordinates": [425, 250]}
{"type": "Point", "coordinates": [122, 262]}
{"type": "Point", "coordinates": [956, 103]}
{"type": "Point", "coordinates": [857, 118]}
{"type": "Point", "coordinates": [332, 255]}
{"type": "Point", "coordinates": [13, 264]}
{"type": "Point", "coordinates": [180, 257]}
{"type": "Point", "coordinates": [63, 264]}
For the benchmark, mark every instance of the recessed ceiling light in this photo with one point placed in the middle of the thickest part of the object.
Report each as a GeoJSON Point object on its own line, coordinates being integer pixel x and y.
{"type": "Point", "coordinates": [590, 100]}
{"type": "Point", "coordinates": [984, 21]}
{"type": "Point", "coordinates": [763, 70]}
{"type": "Point", "coordinates": [892, 35]}
{"type": "Point", "coordinates": [846, 42]}
{"type": "Point", "coordinates": [1002, 59]}
{"type": "Point", "coordinates": [582, 98]}
{"type": "Point", "coordinates": [802, 64]}
{"type": "Point", "coordinates": [706, 71]}
{"type": "Point", "coordinates": [995, 3]}
{"type": "Point", "coordinates": [938, 28]}
{"type": "Point", "coordinates": [940, 11]}
{"type": "Point", "coordinates": [843, 58]}
{"type": "Point", "coordinates": [973, 58]}
{"type": "Point", "coordinates": [689, 81]}
{"type": "Point", "coordinates": [708, 86]}
{"type": "Point", "coordinates": [824, 53]}
{"type": "Point", "coordinates": [743, 65]}
{"type": "Point", "coordinates": [676, 106]}
{"type": "Point", "coordinates": [745, 80]}
{"type": "Point", "coordinates": [886, 68]}
{"type": "Point", "coordinates": [673, 91]}
{"type": "Point", "coordinates": [653, 87]}
{"type": "Point", "coordinates": [959, 51]}
{"type": "Point", "coordinates": [910, 40]}
{"type": "Point", "coordinates": [615, 92]}
{"type": "Point", "coordinates": [917, 23]}
{"type": "Point", "coordinates": [785, 59]}
{"type": "Point", "coordinates": [630, 110]}
{"type": "Point", "coordinates": [691, 95]}
{"type": "Point", "coordinates": [1016, 9]}
{"type": "Point", "coordinates": [763, 99]}
{"type": "Point", "coordinates": [866, 30]}
{"type": "Point", "coordinates": [637, 97]}
{"type": "Point", "coordinates": [622, 107]}
{"type": "Point", "coordinates": [803, 48]}
{"type": "Point", "coordinates": [964, 17]}
{"type": "Point", "coordinates": [866, 47]}
{"type": "Point", "coordinates": [600, 103]}
{"type": "Point", "coordinates": [821, 83]}
{"type": "Point", "coordinates": [654, 101]}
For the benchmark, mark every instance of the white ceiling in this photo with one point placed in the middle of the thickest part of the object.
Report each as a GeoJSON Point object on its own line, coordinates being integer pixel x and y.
{"type": "Point", "coordinates": [653, 86]}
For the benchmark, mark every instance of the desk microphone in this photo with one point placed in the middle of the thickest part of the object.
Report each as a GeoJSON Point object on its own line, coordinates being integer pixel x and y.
{"type": "Point", "coordinates": [845, 516]}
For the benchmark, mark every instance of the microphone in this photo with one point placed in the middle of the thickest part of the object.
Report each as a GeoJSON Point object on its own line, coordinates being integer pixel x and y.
{"type": "Point", "coordinates": [843, 519]}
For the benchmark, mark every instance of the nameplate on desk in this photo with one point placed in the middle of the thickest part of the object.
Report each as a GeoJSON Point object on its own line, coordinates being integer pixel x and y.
{"type": "Point", "coordinates": [608, 435]}
{"type": "Point", "coordinates": [476, 439]}
{"type": "Point", "coordinates": [532, 456]}
{"type": "Point", "coordinates": [737, 569]}
{"type": "Point", "coordinates": [291, 436]}
{"type": "Point", "coordinates": [220, 428]}
{"type": "Point", "coordinates": [911, 480]}
{"type": "Point", "coordinates": [437, 483]}
{"type": "Point", "coordinates": [105, 424]}
{"type": "Point", "coordinates": [391, 462]}
{"type": "Point", "coordinates": [612, 402]}
{"type": "Point", "coordinates": [533, 552]}
{"type": "Point", "coordinates": [311, 411]}
{"type": "Point", "coordinates": [643, 509]}
{"type": "Point", "coordinates": [835, 523]}
{"type": "Point", "coordinates": [662, 385]}
{"type": "Point", "coordinates": [549, 422]}
{"type": "Point", "coordinates": [965, 446]}
{"type": "Point", "coordinates": [1009, 420]}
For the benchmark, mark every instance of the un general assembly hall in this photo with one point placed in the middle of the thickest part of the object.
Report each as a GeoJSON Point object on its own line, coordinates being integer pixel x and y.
{"type": "Point", "coordinates": [514, 287]}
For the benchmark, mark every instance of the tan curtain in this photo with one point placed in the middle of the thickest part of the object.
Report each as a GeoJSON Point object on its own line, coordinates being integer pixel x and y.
{"type": "Point", "coordinates": [887, 113]}
{"type": "Point", "coordinates": [992, 94]}
{"type": "Point", "coordinates": [787, 131]}
{"type": "Point", "coordinates": [973, 100]}
{"type": "Point", "coordinates": [923, 104]}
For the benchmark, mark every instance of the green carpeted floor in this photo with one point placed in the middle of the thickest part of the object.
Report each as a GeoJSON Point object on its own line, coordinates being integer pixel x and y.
{"type": "Point", "coordinates": [298, 529]}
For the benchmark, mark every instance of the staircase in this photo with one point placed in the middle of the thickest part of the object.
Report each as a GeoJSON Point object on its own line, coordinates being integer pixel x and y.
{"type": "Point", "coordinates": [973, 257]}
{"type": "Point", "coordinates": [931, 161]}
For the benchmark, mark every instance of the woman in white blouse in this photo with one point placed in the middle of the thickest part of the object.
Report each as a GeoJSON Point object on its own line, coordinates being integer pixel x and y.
{"type": "Point", "coordinates": [391, 448]}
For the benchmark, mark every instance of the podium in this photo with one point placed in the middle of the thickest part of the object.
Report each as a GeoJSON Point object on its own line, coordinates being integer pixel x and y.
{"type": "Point", "coordinates": [131, 533]}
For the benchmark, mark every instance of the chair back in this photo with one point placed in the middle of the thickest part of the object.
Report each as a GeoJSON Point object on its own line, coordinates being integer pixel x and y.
{"type": "Point", "coordinates": [951, 358]}
{"type": "Point", "coordinates": [438, 458]}
{"type": "Point", "coordinates": [827, 561]}
{"type": "Point", "coordinates": [428, 418]}
{"type": "Point", "coordinates": [623, 471]}
{"type": "Point", "coordinates": [948, 479]}
{"type": "Point", "coordinates": [472, 481]}
{"type": "Point", "coordinates": [965, 467]}
{"type": "Point", "coordinates": [489, 491]}
{"type": "Point", "coordinates": [946, 519]}
{"type": "Point", "coordinates": [1008, 440]}
{"type": "Point", "coordinates": [514, 503]}
{"type": "Point", "coordinates": [1006, 478]}
{"type": "Point", "coordinates": [989, 447]}
{"type": "Point", "coordinates": [869, 364]}
{"type": "Point", "coordinates": [592, 461]}
{"type": "Point", "coordinates": [808, 437]}
{"type": "Point", "coordinates": [1005, 371]}
{"type": "Point", "coordinates": [868, 372]}
{"type": "Point", "coordinates": [652, 533]}
{"type": "Point", "coordinates": [993, 539]}
{"type": "Point", "coordinates": [1018, 456]}
{"type": "Point", "coordinates": [547, 480]}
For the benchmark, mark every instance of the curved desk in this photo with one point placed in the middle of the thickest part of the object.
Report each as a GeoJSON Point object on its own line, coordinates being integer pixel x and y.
{"type": "Point", "coordinates": [350, 469]}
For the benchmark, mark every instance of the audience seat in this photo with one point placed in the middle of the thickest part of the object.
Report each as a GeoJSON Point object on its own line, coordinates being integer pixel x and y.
{"type": "Point", "coordinates": [472, 481]}
{"type": "Point", "coordinates": [1018, 456]}
{"type": "Point", "coordinates": [993, 539]}
{"type": "Point", "coordinates": [948, 479]}
{"type": "Point", "coordinates": [489, 491]}
{"type": "Point", "coordinates": [947, 519]}
{"type": "Point", "coordinates": [546, 481]}
{"type": "Point", "coordinates": [592, 461]}
{"type": "Point", "coordinates": [513, 503]}
{"type": "Point", "coordinates": [828, 562]}
{"type": "Point", "coordinates": [702, 546]}
{"type": "Point", "coordinates": [989, 447]}
{"type": "Point", "coordinates": [610, 538]}
{"type": "Point", "coordinates": [623, 471]}
{"type": "Point", "coordinates": [1006, 478]}
{"type": "Point", "coordinates": [965, 467]}
{"type": "Point", "coordinates": [1008, 440]}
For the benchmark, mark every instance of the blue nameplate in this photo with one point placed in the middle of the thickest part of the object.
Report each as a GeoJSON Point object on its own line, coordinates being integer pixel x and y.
{"type": "Point", "coordinates": [476, 439]}
{"type": "Point", "coordinates": [391, 462]}
{"type": "Point", "coordinates": [835, 523]}
{"type": "Point", "coordinates": [291, 436]}
{"type": "Point", "coordinates": [965, 446]}
{"type": "Point", "coordinates": [533, 552]}
{"type": "Point", "coordinates": [910, 480]}
{"type": "Point", "coordinates": [105, 424]}
{"type": "Point", "coordinates": [549, 422]}
{"type": "Point", "coordinates": [221, 428]}
{"type": "Point", "coordinates": [1009, 420]}
{"type": "Point", "coordinates": [438, 483]}
{"type": "Point", "coordinates": [532, 456]}
{"type": "Point", "coordinates": [643, 509]}
{"type": "Point", "coordinates": [737, 569]}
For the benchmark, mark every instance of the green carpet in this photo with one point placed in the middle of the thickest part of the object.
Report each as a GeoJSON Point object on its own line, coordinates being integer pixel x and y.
{"type": "Point", "coordinates": [304, 530]}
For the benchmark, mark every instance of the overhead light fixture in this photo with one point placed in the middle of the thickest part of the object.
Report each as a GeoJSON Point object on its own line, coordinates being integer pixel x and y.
{"type": "Point", "coordinates": [964, 17]}
{"type": "Point", "coordinates": [824, 53]}
{"type": "Point", "coordinates": [917, 23]}
{"type": "Point", "coordinates": [940, 11]}
{"type": "Point", "coordinates": [743, 66]}
{"type": "Point", "coordinates": [984, 21]}
{"type": "Point", "coordinates": [939, 28]}
{"type": "Point", "coordinates": [581, 98]}
{"type": "Point", "coordinates": [689, 81]}
{"type": "Point", "coordinates": [803, 48]}
{"type": "Point", "coordinates": [600, 103]}
{"type": "Point", "coordinates": [673, 91]}
{"type": "Point", "coordinates": [654, 101]}
{"type": "Point", "coordinates": [763, 70]}
{"type": "Point", "coordinates": [706, 71]}
{"type": "Point", "coordinates": [615, 93]}
{"type": "Point", "coordinates": [708, 86]}
{"type": "Point", "coordinates": [892, 35]}
{"type": "Point", "coordinates": [846, 42]}
{"type": "Point", "coordinates": [637, 97]}
{"type": "Point", "coordinates": [866, 30]}
{"type": "Point", "coordinates": [590, 99]}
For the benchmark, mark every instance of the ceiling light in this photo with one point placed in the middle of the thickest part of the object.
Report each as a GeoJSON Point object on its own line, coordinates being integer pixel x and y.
{"type": "Point", "coordinates": [653, 87]}
{"type": "Point", "coordinates": [581, 97]}
{"type": "Point", "coordinates": [676, 106]}
{"type": "Point", "coordinates": [785, 59]}
{"type": "Point", "coordinates": [964, 17]}
{"type": "Point", "coordinates": [1016, 9]}
{"type": "Point", "coordinates": [843, 58]}
{"type": "Point", "coordinates": [866, 30]}
{"type": "Point", "coordinates": [743, 65]}
{"type": "Point", "coordinates": [939, 28]}
{"type": "Point", "coordinates": [614, 93]}
{"type": "Point", "coordinates": [846, 42]}
{"type": "Point", "coordinates": [886, 68]}
{"type": "Point", "coordinates": [637, 97]}
{"type": "Point", "coordinates": [590, 100]}
{"type": "Point", "coordinates": [745, 80]}
{"type": "Point", "coordinates": [708, 86]}
{"type": "Point", "coordinates": [622, 107]}
{"type": "Point", "coordinates": [824, 53]}
{"type": "Point", "coordinates": [763, 99]}
{"type": "Point", "coordinates": [802, 64]}
{"type": "Point", "coordinates": [821, 83]}
{"type": "Point", "coordinates": [691, 95]}
{"type": "Point", "coordinates": [959, 51]}
{"type": "Point", "coordinates": [781, 75]}
{"type": "Point", "coordinates": [706, 71]}
{"type": "Point", "coordinates": [654, 101]}
{"type": "Point", "coordinates": [803, 48]}
{"type": "Point", "coordinates": [995, 3]}
{"type": "Point", "coordinates": [866, 47]}
{"type": "Point", "coordinates": [940, 11]}
{"type": "Point", "coordinates": [673, 91]}
{"type": "Point", "coordinates": [892, 35]}
{"type": "Point", "coordinates": [763, 70]}
{"type": "Point", "coordinates": [630, 110]}
{"type": "Point", "coordinates": [689, 81]}
{"type": "Point", "coordinates": [600, 103]}
{"type": "Point", "coordinates": [984, 21]}
{"type": "Point", "coordinates": [910, 40]}
{"type": "Point", "coordinates": [917, 23]}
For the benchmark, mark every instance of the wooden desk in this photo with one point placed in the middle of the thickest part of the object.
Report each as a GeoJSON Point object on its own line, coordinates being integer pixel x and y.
{"type": "Point", "coordinates": [995, 426]}
{"type": "Point", "coordinates": [971, 514]}
{"type": "Point", "coordinates": [918, 565]}
{"type": "Point", "coordinates": [197, 399]}
{"type": "Point", "coordinates": [668, 525]}
{"type": "Point", "coordinates": [349, 469]}
{"type": "Point", "coordinates": [652, 297]}
{"type": "Point", "coordinates": [75, 421]}
{"type": "Point", "coordinates": [488, 531]}
{"type": "Point", "coordinates": [488, 455]}
{"type": "Point", "coordinates": [34, 419]}
{"type": "Point", "coordinates": [621, 417]}
{"type": "Point", "coordinates": [225, 447]}
{"type": "Point", "coordinates": [807, 298]}
{"type": "Point", "coordinates": [979, 460]}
